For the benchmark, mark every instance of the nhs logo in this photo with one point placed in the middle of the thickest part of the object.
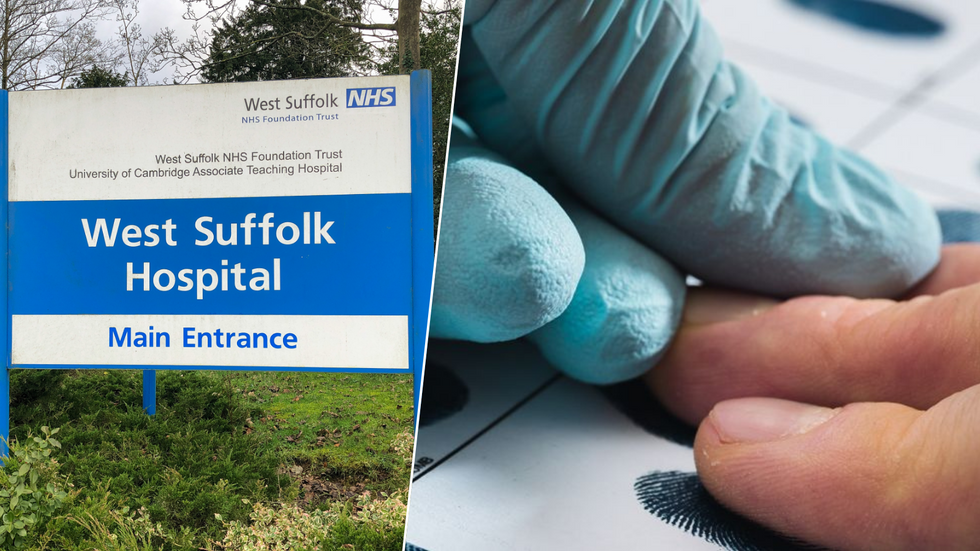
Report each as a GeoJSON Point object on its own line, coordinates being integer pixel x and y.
{"type": "Point", "coordinates": [371, 97]}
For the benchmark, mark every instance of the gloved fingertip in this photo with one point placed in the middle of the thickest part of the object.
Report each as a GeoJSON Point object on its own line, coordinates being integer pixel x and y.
{"type": "Point", "coordinates": [509, 257]}
{"type": "Point", "coordinates": [818, 220]}
{"type": "Point", "coordinates": [625, 311]}
{"type": "Point", "coordinates": [891, 244]}
{"type": "Point", "coordinates": [915, 247]}
{"type": "Point", "coordinates": [619, 346]}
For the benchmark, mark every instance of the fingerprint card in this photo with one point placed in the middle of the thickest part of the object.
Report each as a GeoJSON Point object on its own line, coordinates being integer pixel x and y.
{"type": "Point", "coordinates": [574, 467]}
{"type": "Point", "coordinates": [959, 96]}
{"type": "Point", "coordinates": [465, 391]}
{"type": "Point", "coordinates": [936, 157]}
{"type": "Point", "coordinates": [838, 114]}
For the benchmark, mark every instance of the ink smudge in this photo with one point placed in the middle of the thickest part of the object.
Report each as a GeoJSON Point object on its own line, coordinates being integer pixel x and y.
{"type": "Point", "coordinates": [445, 395]}
{"type": "Point", "coordinates": [876, 16]}
{"type": "Point", "coordinates": [798, 120]}
{"type": "Point", "coordinates": [634, 400]}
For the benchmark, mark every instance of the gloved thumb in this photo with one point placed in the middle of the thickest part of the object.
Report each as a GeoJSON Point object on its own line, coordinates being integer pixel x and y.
{"type": "Point", "coordinates": [865, 476]}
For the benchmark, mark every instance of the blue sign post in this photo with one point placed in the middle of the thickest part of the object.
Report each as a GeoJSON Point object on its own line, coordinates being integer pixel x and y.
{"type": "Point", "coordinates": [282, 226]}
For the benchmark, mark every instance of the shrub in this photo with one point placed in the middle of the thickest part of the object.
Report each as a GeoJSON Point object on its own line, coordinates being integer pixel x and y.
{"type": "Point", "coordinates": [31, 489]}
{"type": "Point", "coordinates": [404, 444]}
{"type": "Point", "coordinates": [278, 528]}
{"type": "Point", "coordinates": [289, 528]}
{"type": "Point", "coordinates": [386, 514]}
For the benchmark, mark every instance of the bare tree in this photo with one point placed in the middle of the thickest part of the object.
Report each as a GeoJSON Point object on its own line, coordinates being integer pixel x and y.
{"type": "Point", "coordinates": [78, 51]}
{"type": "Point", "coordinates": [187, 56]}
{"type": "Point", "coordinates": [138, 52]}
{"type": "Point", "coordinates": [45, 42]}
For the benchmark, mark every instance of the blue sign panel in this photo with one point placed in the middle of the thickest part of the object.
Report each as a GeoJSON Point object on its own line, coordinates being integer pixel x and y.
{"type": "Point", "coordinates": [328, 255]}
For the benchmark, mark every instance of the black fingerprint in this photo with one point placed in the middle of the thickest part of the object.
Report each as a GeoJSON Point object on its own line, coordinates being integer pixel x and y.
{"type": "Point", "coordinates": [679, 499]}
{"type": "Point", "coordinates": [634, 400]}
{"type": "Point", "coordinates": [444, 394]}
{"type": "Point", "coordinates": [959, 226]}
{"type": "Point", "coordinates": [877, 16]}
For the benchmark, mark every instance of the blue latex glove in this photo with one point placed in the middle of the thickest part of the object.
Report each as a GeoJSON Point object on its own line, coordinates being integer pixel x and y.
{"type": "Point", "coordinates": [628, 301]}
{"type": "Point", "coordinates": [631, 106]}
{"type": "Point", "coordinates": [513, 257]}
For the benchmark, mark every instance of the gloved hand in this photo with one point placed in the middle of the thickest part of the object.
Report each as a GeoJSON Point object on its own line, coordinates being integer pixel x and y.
{"type": "Point", "coordinates": [630, 107]}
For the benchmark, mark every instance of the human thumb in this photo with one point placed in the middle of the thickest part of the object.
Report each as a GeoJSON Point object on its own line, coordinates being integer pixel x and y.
{"type": "Point", "coordinates": [865, 476]}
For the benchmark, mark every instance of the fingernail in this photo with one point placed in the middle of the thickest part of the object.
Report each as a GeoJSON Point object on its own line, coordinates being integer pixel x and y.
{"type": "Point", "coordinates": [706, 306]}
{"type": "Point", "coordinates": [750, 420]}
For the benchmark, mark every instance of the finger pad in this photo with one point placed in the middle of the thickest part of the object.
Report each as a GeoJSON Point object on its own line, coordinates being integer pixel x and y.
{"type": "Point", "coordinates": [509, 257]}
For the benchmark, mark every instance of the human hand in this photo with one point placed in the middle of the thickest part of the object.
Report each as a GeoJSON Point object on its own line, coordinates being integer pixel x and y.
{"type": "Point", "coordinates": [867, 437]}
{"type": "Point", "coordinates": [631, 107]}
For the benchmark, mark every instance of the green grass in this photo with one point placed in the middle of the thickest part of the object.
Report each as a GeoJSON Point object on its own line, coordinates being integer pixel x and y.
{"type": "Point", "coordinates": [347, 421]}
{"type": "Point", "coordinates": [217, 440]}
